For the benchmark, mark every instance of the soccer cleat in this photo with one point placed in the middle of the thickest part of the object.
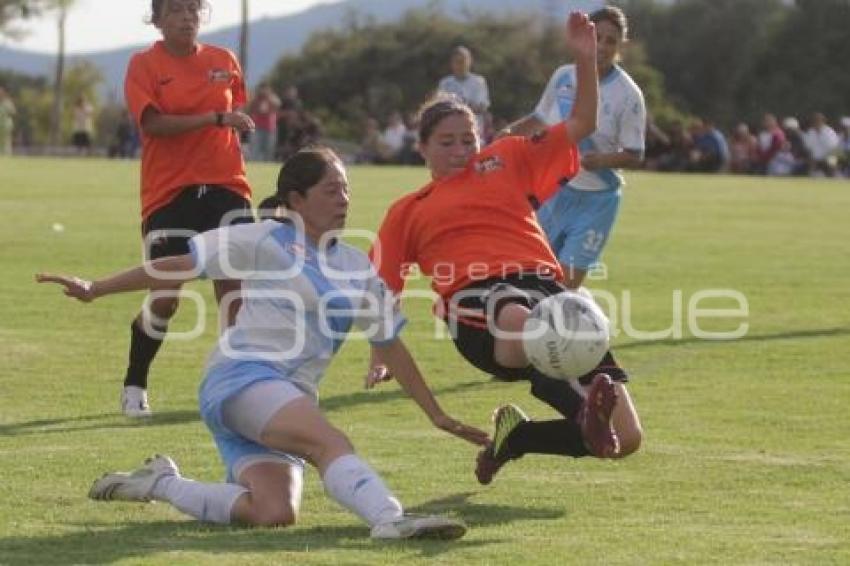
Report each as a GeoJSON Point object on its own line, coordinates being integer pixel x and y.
{"type": "Point", "coordinates": [134, 402]}
{"type": "Point", "coordinates": [505, 419]}
{"type": "Point", "coordinates": [420, 527]}
{"type": "Point", "coordinates": [136, 485]}
{"type": "Point", "coordinates": [595, 418]}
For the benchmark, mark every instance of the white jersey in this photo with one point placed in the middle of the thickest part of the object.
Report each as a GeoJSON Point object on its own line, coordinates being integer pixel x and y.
{"type": "Point", "coordinates": [621, 121]}
{"type": "Point", "coordinates": [472, 89]}
{"type": "Point", "coordinates": [298, 304]}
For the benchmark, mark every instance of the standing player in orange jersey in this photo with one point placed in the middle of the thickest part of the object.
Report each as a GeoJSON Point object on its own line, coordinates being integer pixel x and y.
{"type": "Point", "coordinates": [185, 97]}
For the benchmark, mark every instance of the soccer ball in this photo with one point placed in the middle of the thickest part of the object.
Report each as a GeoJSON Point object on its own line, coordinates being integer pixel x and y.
{"type": "Point", "coordinates": [566, 335]}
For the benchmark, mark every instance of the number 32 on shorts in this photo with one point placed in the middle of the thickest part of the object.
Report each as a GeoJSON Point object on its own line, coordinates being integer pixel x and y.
{"type": "Point", "coordinates": [593, 241]}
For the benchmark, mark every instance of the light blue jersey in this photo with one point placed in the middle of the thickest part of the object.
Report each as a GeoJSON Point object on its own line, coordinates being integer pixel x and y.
{"type": "Point", "coordinates": [579, 218]}
{"type": "Point", "coordinates": [298, 304]}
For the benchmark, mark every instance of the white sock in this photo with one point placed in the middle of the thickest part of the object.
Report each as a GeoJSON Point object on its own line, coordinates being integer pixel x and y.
{"type": "Point", "coordinates": [208, 502]}
{"type": "Point", "coordinates": [354, 485]}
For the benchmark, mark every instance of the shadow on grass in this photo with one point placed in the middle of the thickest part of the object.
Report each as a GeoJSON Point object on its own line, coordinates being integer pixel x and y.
{"type": "Point", "coordinates": [819, 333]}
{"type": "Point", "coordinates": [484, 514]}
{"type": "Point", "coordinates": [96, 422]}
{"type": "Point", "coordinates": [109, 543]}
{"type": "Point", "coordinates": [377, 395]}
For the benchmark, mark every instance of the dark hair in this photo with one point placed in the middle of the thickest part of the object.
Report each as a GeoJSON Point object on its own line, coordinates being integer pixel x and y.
{"type": "Point", "coordinates": [303, 170]}
{"type": "Point", "coordinates": [436, 109]}
{"type": "Point", "coordinates": [614, 16]}
{"type": "Point", "coordinates": [156, 10]}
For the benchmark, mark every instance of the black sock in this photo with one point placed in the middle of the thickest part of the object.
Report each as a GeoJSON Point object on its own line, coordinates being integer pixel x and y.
{"type": "Point", "coordinates": [608, 365]}
{"type": "Point", "coordinates": [143, 349]}
{"type": "Point", "coordinates": [561, 437]}
{"type": "Point", "coordinates": [556, 393]}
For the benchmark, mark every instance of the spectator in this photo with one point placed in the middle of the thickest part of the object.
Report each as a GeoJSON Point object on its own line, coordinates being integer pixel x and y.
{"type": "Point", "coordinates": [844, 158]}
{"type": "Point", "coordinates": [771, 141]}
{"type": "Point", "coordinates": [657, 145]}
{"type": "Point", "coordinates": [308, 130]}
{"type": "Point", "coordinates": [7, 122]}
{"type": "Point", "coordinates": [409, 154]}
{"type": "Point", "coordinates": [263, 110]}
{"type": "Point", "coordinates": [372, 146]}
{"type": "Point", "coordinates": [796, 146]}
{"type": "Point", "coordinates": [678, 156]}
{"type": "Point", "coordinates": [393, 137]}
{"type": "Point", "coordinates": [124, 142]}
{"type": "Point", "coordinates": [823, 144]}
{"type": "Point", "coordinates": [471, 88]}
{"type": "Point", "coordinates": [83, 125]}
{"type": "Point", "coordinates": [743, 149]}
{"type": "Point", "coordinates": [290, 99]}
{"type": "Point", "coordinates": [710, 152]}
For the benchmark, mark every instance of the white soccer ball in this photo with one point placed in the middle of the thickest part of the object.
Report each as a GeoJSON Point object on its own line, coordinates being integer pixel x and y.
{"type": "Point", "coordinates": [566, 335]}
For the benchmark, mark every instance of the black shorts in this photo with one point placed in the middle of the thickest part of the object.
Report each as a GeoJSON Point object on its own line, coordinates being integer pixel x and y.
{"type": "Point", "coordinates": [471, 315]}
{"type": "Point", "coordinates": [198, 208]}
{"type": "Point", "coordinates": [81, 139]}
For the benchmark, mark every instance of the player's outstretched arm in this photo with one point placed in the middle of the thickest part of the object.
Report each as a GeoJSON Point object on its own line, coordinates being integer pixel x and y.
{"type": "Point", "coordinates": [581, 43]}
{"type": "Point", "coordinates": [163, 273]}
{"type": "Point", "coordinates": [525, 126]}
{"type": "Point", "coordinates": [399, 361]}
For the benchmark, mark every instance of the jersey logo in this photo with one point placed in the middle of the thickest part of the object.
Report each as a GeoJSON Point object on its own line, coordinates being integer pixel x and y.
{"type": "Point", "coordinates": [489, 164]}
{"type": "Point", "coordinates": [219, 75]}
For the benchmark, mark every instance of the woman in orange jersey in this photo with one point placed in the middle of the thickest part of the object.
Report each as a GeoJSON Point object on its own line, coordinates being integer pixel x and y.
{"type": "Point", "coordinates": [474, 231]}
{"type": "Point", "coordinates": [185, 97]}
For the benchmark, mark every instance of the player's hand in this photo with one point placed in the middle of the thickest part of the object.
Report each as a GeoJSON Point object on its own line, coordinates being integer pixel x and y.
{"type": "Point", "coordinates": [581, 35]}
{"type": "Point", "coordinates": [457, 428]}
{"type": "Point", "coordinates": [378, 374]}
{"type": "Point", "coordinates": [75, 287]}
{"type": "Point", "coordinates": [238, 121]}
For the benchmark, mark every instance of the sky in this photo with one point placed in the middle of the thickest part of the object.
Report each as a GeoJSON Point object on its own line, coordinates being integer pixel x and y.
{"type": "Point", "coordinates": [96, 25]}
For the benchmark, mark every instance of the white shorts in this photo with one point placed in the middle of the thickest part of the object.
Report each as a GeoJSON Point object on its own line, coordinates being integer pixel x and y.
{"type": "Point", "coordinates": [244, 416]}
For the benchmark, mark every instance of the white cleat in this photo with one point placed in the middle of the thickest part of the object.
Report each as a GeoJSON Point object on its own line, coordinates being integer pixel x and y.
{"type": "Point", "coordinates": [134, 402]}
{"type": "Point", "coordinates": [420, 527]}
{"type": "Point", "coordinates": [136, 485]}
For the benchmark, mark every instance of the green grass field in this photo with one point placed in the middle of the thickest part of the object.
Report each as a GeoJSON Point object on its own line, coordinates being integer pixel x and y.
{"type": "Point", "coordinates": [746, 458]}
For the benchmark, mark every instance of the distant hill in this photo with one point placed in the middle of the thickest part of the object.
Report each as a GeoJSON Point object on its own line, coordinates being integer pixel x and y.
{"type": "Point", "coordinates": [273, 37]}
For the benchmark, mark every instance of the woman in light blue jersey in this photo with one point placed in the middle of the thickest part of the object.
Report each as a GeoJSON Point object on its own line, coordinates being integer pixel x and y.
{"type": "Point", "coordinates": [302, 290]}
{"type": "Point", "coordinates": [578, 220]}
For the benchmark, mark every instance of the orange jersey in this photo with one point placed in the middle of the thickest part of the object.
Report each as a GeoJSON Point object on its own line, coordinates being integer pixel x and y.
{"type": "Point", "coordinates": [209, 80]}
{"type": "Point", "coordinates": [479, 223]}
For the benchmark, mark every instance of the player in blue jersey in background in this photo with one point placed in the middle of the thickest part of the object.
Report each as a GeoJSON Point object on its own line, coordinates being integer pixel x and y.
{"type": "Point", "coordinates": [579, 219]}
{"type": "Point", "coordinates": [302, 289]}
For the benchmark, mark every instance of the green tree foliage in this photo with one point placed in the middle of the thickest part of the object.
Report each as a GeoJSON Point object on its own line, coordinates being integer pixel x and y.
{"type": "Point", "coordinates": [367, 69]}
{"type": "Point", "coordinates": [34, 99]}
{"type": "Point", "coordinates": [804, 70]}
{"type": "Point", "coordinates": [706, 49]}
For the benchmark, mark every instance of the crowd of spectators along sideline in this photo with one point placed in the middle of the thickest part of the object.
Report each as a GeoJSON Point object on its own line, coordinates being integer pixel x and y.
{"type": "Point", "coordinates": [776, 149]}
{"type": "Point", "coordinates": [283, 126]}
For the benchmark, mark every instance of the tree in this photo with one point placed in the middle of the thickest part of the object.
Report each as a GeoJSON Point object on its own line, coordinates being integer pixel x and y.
{"type": "Point", "coordinates": [706, 49]}
{"type": "Point", "coordinates": [243, 39]}
{"type": "Point", "coordinates": [803, 70]}
{"type": "Point", "coordinates": [14, 10]}
{"type": "Point", "coordinates": [61, 8]}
